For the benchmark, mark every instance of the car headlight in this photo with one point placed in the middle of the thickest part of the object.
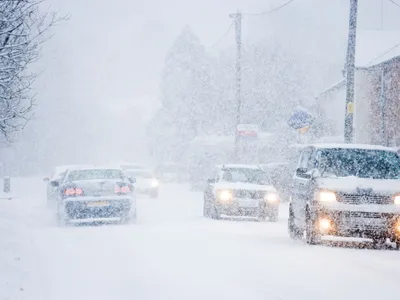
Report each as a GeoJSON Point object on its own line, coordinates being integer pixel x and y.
{"type": "Point", "coordinates": [225, 195]}
{"type": "Point", "coordinates": [326, 196]}
{"type": "Point", "coordinates": [154, 183]}
{"type": "Point", "coordinates": [396, 199]}
{"type": "Point", "coordinates": [271, 197]}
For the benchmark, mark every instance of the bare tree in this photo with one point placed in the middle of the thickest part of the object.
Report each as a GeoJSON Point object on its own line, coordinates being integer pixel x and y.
{"type": "Point", "coordinates": [22, 30]}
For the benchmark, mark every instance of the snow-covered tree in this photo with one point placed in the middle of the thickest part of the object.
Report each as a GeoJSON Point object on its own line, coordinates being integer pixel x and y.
{"type": "Point", "coordinates": [184, 93]}
{"type": "Point", "coordinates": [22, 29]}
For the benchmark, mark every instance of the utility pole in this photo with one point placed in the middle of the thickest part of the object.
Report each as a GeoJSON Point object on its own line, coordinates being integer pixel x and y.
{"type": "Point", "coordinates": [350, 73]}
{"type": "Point", "coordinates": [238, 34]}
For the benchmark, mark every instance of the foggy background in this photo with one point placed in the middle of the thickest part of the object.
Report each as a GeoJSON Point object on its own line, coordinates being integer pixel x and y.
{"type": "Point", "coordinates": [100, 73]}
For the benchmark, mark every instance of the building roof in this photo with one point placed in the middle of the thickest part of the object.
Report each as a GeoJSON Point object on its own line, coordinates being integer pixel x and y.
{"type": "Point", "coordinates": [374, 47]}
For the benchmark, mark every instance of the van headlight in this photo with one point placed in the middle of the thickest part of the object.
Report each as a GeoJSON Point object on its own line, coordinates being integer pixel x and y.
{"type": "Point", "coordinates": [271, 197]}
{"type": "Point", "coordinates": [224, 195]}
{"type": "Point", "coordinates": [396, 199]}
{"type": "Point", "coordinates": [326, 196]}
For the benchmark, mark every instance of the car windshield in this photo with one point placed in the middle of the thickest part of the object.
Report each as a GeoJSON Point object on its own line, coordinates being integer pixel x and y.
{"type": "Point", "coordinates": [79, 175]}
{"type": "Point", "coordinates": [375, 164]}
{"type": "Point", "coordinates": [139, 174]}
{"type": "Point", "coordinates": [255, 176]}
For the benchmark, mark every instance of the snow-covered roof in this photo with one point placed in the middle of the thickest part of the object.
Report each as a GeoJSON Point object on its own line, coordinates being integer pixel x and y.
{"type": "Point", "coordinates": [63, 168]}
{"type": "Point", "coordinates": [83, 168]}
{"type": "Point", "coordinates": [376, 46]}
{"type": "Point", "coordinates": [240, 166]}
{"type": "Point", "coordinates": [353, 146]}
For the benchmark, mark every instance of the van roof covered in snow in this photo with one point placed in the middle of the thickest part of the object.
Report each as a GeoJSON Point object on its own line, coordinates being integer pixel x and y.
{"type": "Point", "coordinates": [353, 146]}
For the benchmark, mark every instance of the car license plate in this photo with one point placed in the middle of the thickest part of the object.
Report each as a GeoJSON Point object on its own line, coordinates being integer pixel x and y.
{"type": "Point", "coordinates": [98, 204]}
{"type": "Point", "coordinates": [248, 203]}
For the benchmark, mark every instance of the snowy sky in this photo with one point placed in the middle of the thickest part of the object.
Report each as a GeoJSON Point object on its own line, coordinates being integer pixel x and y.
{"type": "Point", "coordinates": [107, 58]}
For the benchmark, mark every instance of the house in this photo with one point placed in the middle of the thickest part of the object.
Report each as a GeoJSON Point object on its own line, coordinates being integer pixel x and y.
{"type": "Point", "coordinates": [377, 92]}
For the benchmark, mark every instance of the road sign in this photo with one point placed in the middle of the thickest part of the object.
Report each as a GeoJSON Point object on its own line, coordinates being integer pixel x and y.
{"type": "Point", "coordinates": [300, 119]}
{"type": "Point", "coordinates": [247, 130]}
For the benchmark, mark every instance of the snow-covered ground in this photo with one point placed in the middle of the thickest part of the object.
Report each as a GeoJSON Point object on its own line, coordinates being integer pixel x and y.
{"type": "Point", "coordinates": [174, 253]}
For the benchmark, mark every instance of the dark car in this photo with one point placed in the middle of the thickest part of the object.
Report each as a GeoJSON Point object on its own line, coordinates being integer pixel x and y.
{"type": "Point", "coordinates": [346, 190]}
{"type": "Point", "coordinates": [95, 195]}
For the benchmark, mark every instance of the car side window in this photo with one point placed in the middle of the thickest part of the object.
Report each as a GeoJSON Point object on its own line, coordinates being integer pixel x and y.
{"type": "Point", "coordinates": [312, 160]}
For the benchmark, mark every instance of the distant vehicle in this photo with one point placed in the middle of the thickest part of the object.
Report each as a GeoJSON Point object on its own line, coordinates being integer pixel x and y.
{"type": "Point", "coordinates": [146, 182]}
{"type": "Point", "coordinates": [241, 190]}
{"type": "Point", "coordinates": [52, 188]}
{"type": "Point", "coordinates": [346, 190]}
{"type": "Point", "coordinates": [95, 194]}
{"type": "Point", "coordinates": [170, 172]}
{"type": "Point", "coordinates": [132, 166]}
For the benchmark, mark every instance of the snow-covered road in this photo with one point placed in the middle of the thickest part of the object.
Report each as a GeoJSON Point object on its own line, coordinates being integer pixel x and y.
{"type": "Point", "coordinates": [174, 253]}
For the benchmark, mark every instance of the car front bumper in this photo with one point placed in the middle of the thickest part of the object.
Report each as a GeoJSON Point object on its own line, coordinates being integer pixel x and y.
{"type": "Point", "coordinates": [247, 207]}
{"type": "Point", "coordinates": [360, 221]}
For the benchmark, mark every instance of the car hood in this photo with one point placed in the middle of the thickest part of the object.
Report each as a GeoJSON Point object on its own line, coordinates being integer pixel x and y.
{"type": "Point", "coordinates": [243, 186]}
{"type": "Point", "coordinates": [351, 184]}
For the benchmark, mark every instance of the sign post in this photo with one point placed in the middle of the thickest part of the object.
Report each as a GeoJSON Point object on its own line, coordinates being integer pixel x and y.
{"type": "Point", "coordinates": [246, 137]}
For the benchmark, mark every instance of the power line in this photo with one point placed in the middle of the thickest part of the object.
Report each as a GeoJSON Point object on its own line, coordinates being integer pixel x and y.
{"type": "Point", "coordinates": [269, 11]}
{"type": "Point", "coordinates": [223, 36]}
{"type": "Point", "coordinates": [395, 3]}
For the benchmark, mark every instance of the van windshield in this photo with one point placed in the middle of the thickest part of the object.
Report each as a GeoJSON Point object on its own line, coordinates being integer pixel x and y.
{"type": "Point", "coordinates": [362, 163]}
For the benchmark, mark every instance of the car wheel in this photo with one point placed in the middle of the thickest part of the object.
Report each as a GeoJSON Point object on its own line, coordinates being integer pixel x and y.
{"type": "Point", "coordinates": [294, 232]}
{"type": "Point", "coordinates": [274, 216]}
{"type": "Point", "coordinates": [378, 242]}
{"type": "Point", "coordinates": [214, 212]}
{"type": "Point", "coordinates": [397, 247]}
{"type": "Point", "coordinates": [312, 236]}
{"type": "Point", "coordinates": [206, 208]}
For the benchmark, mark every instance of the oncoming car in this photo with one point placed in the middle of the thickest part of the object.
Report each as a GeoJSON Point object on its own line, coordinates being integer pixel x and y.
{"type": "Point", "coordinates": [346, 190]}
{"type": "Point", "coordinates": [96, 194]}
{"type": "Point", "coordinates": [146, 182]}
{"type": "Point", "coordinates": [241, 190]}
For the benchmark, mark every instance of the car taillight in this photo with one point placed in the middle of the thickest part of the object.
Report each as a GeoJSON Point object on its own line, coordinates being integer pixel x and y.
{"type": "Point", "coordinates": [73, 192]}
{"type": "Point", "coordinates": [122, 189]}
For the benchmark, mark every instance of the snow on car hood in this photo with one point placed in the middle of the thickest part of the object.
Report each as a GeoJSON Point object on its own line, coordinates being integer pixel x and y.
{"type": "Point", "coordinates": [243, 186]}
{"type": "Point", "coordinates": [350, 184]}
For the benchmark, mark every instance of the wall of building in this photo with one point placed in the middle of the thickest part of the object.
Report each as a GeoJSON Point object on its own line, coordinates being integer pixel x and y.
{"type": "Point", "coordinates": [330, 110]}
{"type": "Point", "coordinates": [364, 94]}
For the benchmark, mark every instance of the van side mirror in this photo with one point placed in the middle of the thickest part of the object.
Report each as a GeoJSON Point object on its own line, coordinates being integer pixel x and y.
{"type": "Point", "coordinates": [132, 179]}
{"type": "Point", "coordinates": [302, 172]}
{"type": "Point", "coordinates": [54, 183]}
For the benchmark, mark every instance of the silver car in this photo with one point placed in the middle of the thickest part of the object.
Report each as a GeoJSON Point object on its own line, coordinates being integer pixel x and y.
{"type": "Point", "coordinates": [95, 194]}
